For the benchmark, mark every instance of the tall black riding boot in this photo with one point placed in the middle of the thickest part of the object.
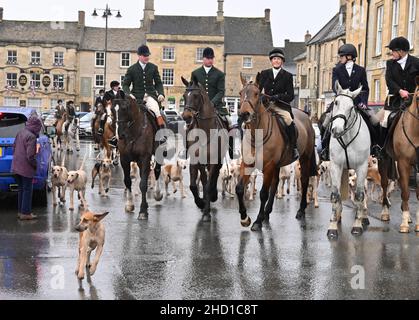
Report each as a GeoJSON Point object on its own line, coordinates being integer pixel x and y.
{"type": "Point", "coordinates": [101, 127]}
{"type": "Point", "coordinates": [324, 155]}
{"type": "Point", "coordinates": [292, 136]}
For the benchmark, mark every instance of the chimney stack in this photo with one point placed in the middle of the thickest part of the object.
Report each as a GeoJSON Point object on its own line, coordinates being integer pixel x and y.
{"type": "Point", "coordinates": [148, 14]}
{"type": "Point", "coordinates": [307, 37]}
{"type": "Point", "coordinates": [220, 12]}
{"type": "Point", "coordinates": [267, 15]}
{"type": "Point", "coordinates": [1, 14]}
{"type": "Point", "coordinates": [82, 19]}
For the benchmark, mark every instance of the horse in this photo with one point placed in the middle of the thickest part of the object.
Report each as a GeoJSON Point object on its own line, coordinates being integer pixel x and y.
{"type": "Point", "coordinates": [59, 131]}
{"type": "Point", "coordinates": [136, 143]}
{"type": "Point", "coordinates": [403, 148]}
{"type": "Point", "coordinates": [207, 156]}
{"type": "Point", "coordinates": [72, 135]}
{"type": "Point", "coordinates": [108, 133]}
{"type": "Point", "coordinates": [271, 152]}
{"type": "Point", "coordinates": [349, 149]}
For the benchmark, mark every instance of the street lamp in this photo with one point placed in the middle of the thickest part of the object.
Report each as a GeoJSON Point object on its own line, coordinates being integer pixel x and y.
{"type": "Point", "coordinates": [106, 13]}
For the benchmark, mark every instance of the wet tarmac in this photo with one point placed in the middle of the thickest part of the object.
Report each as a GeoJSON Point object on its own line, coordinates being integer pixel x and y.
{"type": "Point", "coordinates": [174, 255]}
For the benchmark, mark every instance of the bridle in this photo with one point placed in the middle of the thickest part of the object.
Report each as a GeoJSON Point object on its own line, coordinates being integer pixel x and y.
{"type": "Point", "coordinates": [196, 112]}
{"type": "Point", "coordinates": [129, 122]}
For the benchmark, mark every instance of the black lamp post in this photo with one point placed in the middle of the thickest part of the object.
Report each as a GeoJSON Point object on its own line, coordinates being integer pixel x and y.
{"type": "Point", "coordinates": [106, 14]}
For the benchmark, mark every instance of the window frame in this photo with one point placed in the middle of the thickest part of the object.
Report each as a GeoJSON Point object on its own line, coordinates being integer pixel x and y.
{"type": "Point", "coordinates": [379, 31]}
{"type": "Point", "coordinates": [395, 18]}
{"type": "Point", "coordinates": [96, 80]}
{"type": "Point", "coordinates": [172, 51]}
{"type": "Point", "coordinates": [35, 60]}
{"type": "Point", "coordinates": [99, 59]}
{"type": "Point", "coordinates": [10, 58]}
{"type": "Point", "coordinates": [36, 83]}
{"type": "Point", "coordinates": [58, 61]}
{"type": "Point", "coordinates": [57, 81]}
{"type": "Point", "coordinates": [202, 55]}
{"type": "Point", "coordinates": [164, 77]}
{"type": "Point", "coordinates": [9, 80]}
{"type": "Point", "coordinates": [127, 60]}
{"type": "Point", "coordinates": [411, 23]}
{"type": "Point", "coordinates": [251, 62]}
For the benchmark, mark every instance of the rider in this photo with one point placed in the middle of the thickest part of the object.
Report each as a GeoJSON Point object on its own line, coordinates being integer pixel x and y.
{"type": "Point", "coordinates": [401, 73]}
{"type": "Point", "coordinates": [109, 110]}
{"type": "Point", "coordinates": [213, 80]}
{"type": "Point", "coordinates": [59, 111]}
{"type": "Point", "coordinates": [71, 114]}
{"type": "Point", "coordinates": [352, 76]}
{"type": "Point", "coordinates": [278, 87]}
{"type": "Point", "coordinates": [146, 84]}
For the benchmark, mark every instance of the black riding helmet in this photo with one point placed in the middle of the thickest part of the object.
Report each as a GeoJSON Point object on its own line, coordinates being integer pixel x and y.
{"type": "Point", "coordinates": [115, 84]}
{"type": "Point", "coordinates": [143, 51]}
{"type": "Point", "coordinates": [277, 52]}
{"type": "Point", "coordinates": [399, 44]}
{"type": "Point", "coordinates": [208, 53]}
{"type": "Point", "coordinates": [348, 50]}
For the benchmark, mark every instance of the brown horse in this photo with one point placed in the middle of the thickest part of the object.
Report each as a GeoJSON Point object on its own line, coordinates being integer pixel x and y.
{"type": "Point", "coordinates": [136, 143]}
{"type": "Point", "coordinates": [59, 131]}
{"type": "Point", "coordinates": [403, 149]}
{"type": "Point", "coordinates": [207, 144]}
{"type": "Point", "coordinates": [271, 152]}
{"type": "Point", "coordinates": [108, 133]}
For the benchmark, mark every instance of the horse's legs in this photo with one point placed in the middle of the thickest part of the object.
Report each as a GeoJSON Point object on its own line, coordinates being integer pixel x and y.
{"type": "Point", "coordinates": [272, 192]}
{"type": "Point", "coordinates": [193, 171]}
{"type": "Point", "coordinates": [305, 179]}
{"type": "Point", "coordinates": [383, 169]}
{"type": "Point", "coordinates": [281, 192]}
{"type": "Point", "coordinates": [361, 219]}
{"type": "Point", "coordinates": [129, 204]}
{"type": "Point", "coordinates": [158, 196]}
{"type": "Point", "coordinates": [336, 176]}
{"type": "Point", "coordinates": [240, 191]}
{"type": "Point", "coordinates": [269, 172]}
{"type": "Point", "coordinates": [404, 170]}
{"type": "Point", "coordinates": [214, 174]}
{"type": "Point", "coordinates": [144, 174]}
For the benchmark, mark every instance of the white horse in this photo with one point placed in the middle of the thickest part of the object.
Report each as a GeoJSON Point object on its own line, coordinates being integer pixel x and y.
{"type": "Point", "coordinates": [71, 136]}
{"type": "Point", "coordinates": [349, 149]}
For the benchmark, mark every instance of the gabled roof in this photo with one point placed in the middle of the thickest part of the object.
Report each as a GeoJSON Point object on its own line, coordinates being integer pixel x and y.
{"type": "Point", "coordinates": [332, 30]}
{"type": "Point", "coordinates": [301, 56]}
{"type": "Point", "coordinates": [186, 25]}
{"type": "Point", "coordinates": [293, 49]}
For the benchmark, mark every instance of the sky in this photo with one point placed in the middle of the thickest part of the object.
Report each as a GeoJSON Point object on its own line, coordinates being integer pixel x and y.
{"type": "Point", "coordinates": [290, 19]}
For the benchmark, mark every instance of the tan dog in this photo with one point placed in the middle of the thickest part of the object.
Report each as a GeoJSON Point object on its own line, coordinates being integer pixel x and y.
{"type": "Point", "coordinates": [92, 236]}
{"type": "Point", "coordinates": [173, 173]}
{"type": "Point", "coordinates": [135, 178]}
{"type": "Point", "coordinates": [284, 177]}
{"type": "Point", "coordinates": [297, 177]}
{"type": "Point", "coordinates": [77, 181]}
{"type": "Point", "coordinates": [59, 184]}
{"type": "Point", "coordinates": [373, 179]}
{"type": "Point", "coordinates": [225, 179]}
{"type": "Point", "coordinates": [103, 169]}
{"type": "Point", "coordinates": [324, 172]}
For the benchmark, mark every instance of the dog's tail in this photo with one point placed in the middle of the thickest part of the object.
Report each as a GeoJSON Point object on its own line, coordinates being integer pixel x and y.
{"type": "Point", "coordinates": [83, 162]}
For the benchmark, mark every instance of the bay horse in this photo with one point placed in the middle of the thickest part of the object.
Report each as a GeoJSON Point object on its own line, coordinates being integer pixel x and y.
{"type": "Point", "coordinates": [136, 144]}
{"type": "Point", "coordinates": [349, 149]}
{"type": "Point", "coordinates": [59, 130]}
{"type": "Point", "coordinates": [403, 148]}
{"type": "Point", "coordinates": [272, 153]}
{"type": "Point", "coordinates": [206, 143]}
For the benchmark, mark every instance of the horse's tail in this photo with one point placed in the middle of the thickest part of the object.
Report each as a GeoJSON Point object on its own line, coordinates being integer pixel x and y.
{"type": "Point", "coordinates": [344, 185]}
{"type": "Point", "coordinates": [313, 163]}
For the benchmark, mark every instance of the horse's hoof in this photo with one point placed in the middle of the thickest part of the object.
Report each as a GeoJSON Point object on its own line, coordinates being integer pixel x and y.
{"type": "Point", "coordinates": [214, 197]}
{"type": "Point", "coordinates": [55, 204]}
{"type": "Point", "coordinates": [129, 208]}
{"type": "Point", "coordinates": [300, 215]}
{"type": "Point", "coordinates": [158, 197]}
{"type": "Point", "coordinates": [206, 218]}
{"type": "Point", "coordinates": [365, 222]}
{"type": "Point", "coordinates": [143, 216]}
{"type": "Point", "coordinates": [357, 231]}
{"type": "Point", "coordinates": [385, 217]}
{"type": "Point", "coordinates": [246, 222]}
{"type": "Point", "coordinates": [417, 228]}
{"type": "Point", "coordinates": [107, 190]}
{"type": "Point", "coordinates": [200, 204]}
{"type": "Point", "coordinates": [410, 220]}
{"type": "Point", "coordinates": [257, 227]}
{"type": "Point", "coordinates": [404, 229]}
{"type": "Point", "coordinates": [332, 234]}
{"type": "Point", "coordinates": [71, 209]}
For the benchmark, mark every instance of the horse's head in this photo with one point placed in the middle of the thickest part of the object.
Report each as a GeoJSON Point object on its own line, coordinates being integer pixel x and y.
{"type": "Point", "coordinates": [250, 97]}
{"type": "Point", "coordinates": [125, 118]}
{"type": "Point", "coordinates": [194, 99]}
{"type": "Point", "coordinates": [342, 109]}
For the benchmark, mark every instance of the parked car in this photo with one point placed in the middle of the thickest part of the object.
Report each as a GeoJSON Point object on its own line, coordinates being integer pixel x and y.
{"type": "Point", "coordinates": [174, 121]}
{"type": "Point", "coordinates": [12, 120]}
{"type": "Point", "coordinates": [86, 125]}
{"type": "Point", "coordinates": [81, 114]}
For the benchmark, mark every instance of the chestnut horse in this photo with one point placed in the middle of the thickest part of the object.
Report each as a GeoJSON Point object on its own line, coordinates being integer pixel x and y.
{"type": "Point", "coordinates": [272, 152]}
{"type": "Point", "coordinates": [403, 149]}
{"type": "Point", "coordinates": [59, 131]}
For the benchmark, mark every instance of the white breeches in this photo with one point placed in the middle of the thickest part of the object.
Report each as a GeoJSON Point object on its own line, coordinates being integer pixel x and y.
{"type": "Point", "coordinates": [152, 105]}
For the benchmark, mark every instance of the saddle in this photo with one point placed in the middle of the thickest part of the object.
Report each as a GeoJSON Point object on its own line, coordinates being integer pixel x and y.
{"type": "Point", "coordinates": [286, 156]}
{"type": "Point", "coordinates": [394, 119]}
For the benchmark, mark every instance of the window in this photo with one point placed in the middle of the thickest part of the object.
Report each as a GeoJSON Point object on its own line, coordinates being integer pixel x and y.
{"type": "Point", "coordinates": [377, 90]}
{"type": "Point", "coordinates": [247, 62]}
{"type": "Point", "coordinates": [354, 16]}
{"type": "Point", "coordinates": [35, 103]}
{"type": "Point", "coordinates": [379, 35]}
{"type": "Point", "coordinates": [125, 59]}
{"type": "Point", "coordinates": [35, 80]}
{"type": "Point", "coordinates": [35, 57]}
{"type": "Point", "coordinates": [11, 80]}
{"type": "Point", "coordinates": [168, 53]}
{"type": "Point", "coordinates": [100, 59]}
{"type": "Point", "coordinates": [11, 57]}
{"type": "Point", "coordinates": [11, 102]}
{"type": "Point", "coordinates": [199, 54]}
{"type": "Point", "coordinates": [58, 81]}
{"type": "Point", "coordinates": [99, 81]}
{"type": "Point", "coordinates": [411, 26]}
{"type": "Point", "coordinates": [58, 58]}
{"type": "Point", "coordinates": [168, 77]}
{"type": "Point", "coordinates": [395, 19]}
{"type": "Point", "coordinates": [303, 83]}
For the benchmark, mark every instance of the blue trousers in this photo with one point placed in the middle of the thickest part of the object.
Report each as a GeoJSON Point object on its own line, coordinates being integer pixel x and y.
{"type": "Point", "coordinates": [24, 198]}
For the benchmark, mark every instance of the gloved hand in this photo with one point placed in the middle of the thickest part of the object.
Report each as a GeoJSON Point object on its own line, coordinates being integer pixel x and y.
{"type": "Point", "coordinates": [160, 98]}
{"type": "Point", "coordinates": [275, 98]}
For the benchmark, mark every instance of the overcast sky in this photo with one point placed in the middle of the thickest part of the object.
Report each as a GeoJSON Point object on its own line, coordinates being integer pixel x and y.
{"type": "Point", "coordinates": [290, 19]}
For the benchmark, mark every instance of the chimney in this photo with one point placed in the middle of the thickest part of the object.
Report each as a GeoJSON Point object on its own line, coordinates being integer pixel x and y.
{"type": "Point", "coordinates": [220, 12]}
{"type": "Point", "coordinates": [267, 15]}
{"type": "Point", "coordinates": [148, 14]}
{"type": "Point", "coordinates": [82, 19]}
{"type": "Point", "coordinates": [307, 37]}
{"type": "Point", "coordinates": [1, 14]}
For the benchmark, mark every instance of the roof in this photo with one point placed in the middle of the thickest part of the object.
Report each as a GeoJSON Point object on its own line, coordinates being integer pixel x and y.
{"type": "Point", "coordinates": [40, 32]}
{"type": "Point", "coordinates": [119, 39]}
{"type": "Point", "coordinates": [301, 56]}
{"type": "Point", "coordinates": [293, 49]}
{"type": "Point", "coordinates": [247, 36]}
{"type": "Point", "coordinates": [332, 30]}
{"type": "Point", "coordinates": [186, 25]}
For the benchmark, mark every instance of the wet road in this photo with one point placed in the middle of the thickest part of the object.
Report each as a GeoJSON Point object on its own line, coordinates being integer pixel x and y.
{"type": "Point", "coordinates": [174, 255]}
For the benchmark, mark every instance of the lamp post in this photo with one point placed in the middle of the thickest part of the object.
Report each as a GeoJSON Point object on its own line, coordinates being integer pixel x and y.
{"type": "Point", "coordinates": [106, 14]}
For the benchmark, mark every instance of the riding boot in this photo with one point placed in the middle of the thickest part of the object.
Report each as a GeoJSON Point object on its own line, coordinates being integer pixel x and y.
{"type": "Point", "coordinates": [376, 145]}
{"type": "Point", "coordinates": [101, 127]}
{"type": "Point", "coordinates": [113, 142]}
{"type": "Point", "coordinates": [324, 155]}
{"type": "Point", "coordinates": [292, 136]}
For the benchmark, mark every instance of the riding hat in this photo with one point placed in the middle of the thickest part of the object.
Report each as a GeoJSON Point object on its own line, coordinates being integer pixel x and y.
{"type": "Point", "coordinates": [399, 44]}
{"type": "Point", "coordinates": [115, 84]}
{"type": "Point", "coordinates": [277, 52]}
{"type": "Point", "coordinates": [144, 51]}
{"type": "Point", "coordinates": [348, 50]}
{"type": "Point", "coordinates": [208, 53]}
